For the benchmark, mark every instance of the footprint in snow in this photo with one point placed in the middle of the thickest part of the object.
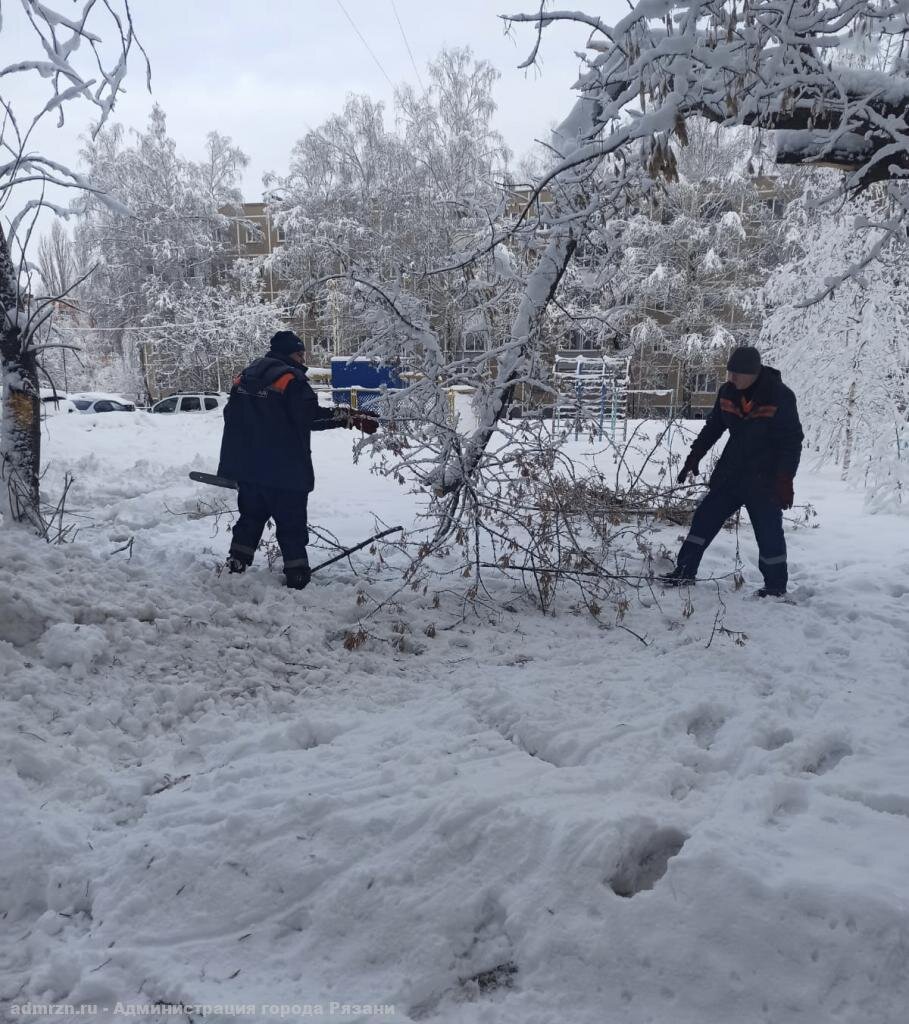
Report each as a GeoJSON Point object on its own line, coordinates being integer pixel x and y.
{"type": "Point", "coordinates": [704, 727]}
{"type": "Point", "coordinates": [774, 739]}
{"type": "Point", "coordinates": [786, 799]}
{"type": "Point", "coordinates": [827, 757]}
{"type": "Point", "coordinates": [646, 861]}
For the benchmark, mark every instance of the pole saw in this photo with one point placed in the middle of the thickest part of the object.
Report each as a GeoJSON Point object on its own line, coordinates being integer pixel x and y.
{"type": "Point", "coordinates": [231, 485]}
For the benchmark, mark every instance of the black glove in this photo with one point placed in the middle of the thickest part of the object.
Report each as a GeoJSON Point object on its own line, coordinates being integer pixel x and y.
{"type": "Point", "coordinates": [363, 421]}
{"type": "Point", "coordinates": [690, 468]}
{"type": "Point", "coordinates": [351, 419]}
{"type": "Point", "coordinates": [783, 489]}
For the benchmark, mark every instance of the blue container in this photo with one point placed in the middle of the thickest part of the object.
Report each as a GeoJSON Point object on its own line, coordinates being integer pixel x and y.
{"type": "Point", "coordinates": [365, 376]}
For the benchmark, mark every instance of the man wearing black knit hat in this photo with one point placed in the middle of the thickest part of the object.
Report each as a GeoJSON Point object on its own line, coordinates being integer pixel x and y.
{"type": "Point", "coordinates": [267, 424]}
{"type": "Point", "coordinates": [756, 469]}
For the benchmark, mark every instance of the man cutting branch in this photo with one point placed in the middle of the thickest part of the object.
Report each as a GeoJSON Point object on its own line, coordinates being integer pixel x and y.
{"type": "Point", "coordinates": [756, 469]}
{"type": "Point", "coordinates": [268, 420]}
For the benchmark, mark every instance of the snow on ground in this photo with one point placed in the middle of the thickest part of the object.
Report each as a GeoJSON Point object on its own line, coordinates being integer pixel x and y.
{"type": "Point", "coordinates": [523, 818]}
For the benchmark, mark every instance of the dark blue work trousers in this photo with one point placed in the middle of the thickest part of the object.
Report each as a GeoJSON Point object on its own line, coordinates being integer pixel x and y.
{"type": "Point", "coordinates": [766, 519]}
{"type": "Point", "coordinates": [258, 504]}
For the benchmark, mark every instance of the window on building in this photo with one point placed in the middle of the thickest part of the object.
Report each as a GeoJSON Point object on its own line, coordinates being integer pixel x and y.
{"type": "Point", "coordinates": [704, 382]}
{"type": "Point", "coordinates": [577, 339]}
{"type": "Point", "coordinates": [475, 341]}
{"type": "Point", "coordinates": [250, 233]}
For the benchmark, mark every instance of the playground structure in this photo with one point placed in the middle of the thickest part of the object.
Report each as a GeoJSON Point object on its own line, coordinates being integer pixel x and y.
{"type": "Point", "coordinates": [592, 394]}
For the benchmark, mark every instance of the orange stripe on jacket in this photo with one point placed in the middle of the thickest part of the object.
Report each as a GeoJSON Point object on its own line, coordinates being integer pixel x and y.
{"type": "Point", "coordinates": [750, 412]}
{"type": "Point", "coordinates": [281, 383]}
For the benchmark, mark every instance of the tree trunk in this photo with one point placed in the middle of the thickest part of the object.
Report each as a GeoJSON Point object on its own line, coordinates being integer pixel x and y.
{"type": "Point", "coordinates": [847, 450]}
{"type": "Point", "coordinates": [569, 225]}
{"type": "Point", "coordinates": [20, 430]}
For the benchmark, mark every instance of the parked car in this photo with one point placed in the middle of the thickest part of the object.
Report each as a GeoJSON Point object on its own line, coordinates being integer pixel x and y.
{"type": "Point", "coordinates": [198, 402]}
{"type": "Point", "coordinates": [96, 401]}
{"type": "Point", "coordinates": [53, 402]}
{"type": "Point", "coordinates": [104, 405]}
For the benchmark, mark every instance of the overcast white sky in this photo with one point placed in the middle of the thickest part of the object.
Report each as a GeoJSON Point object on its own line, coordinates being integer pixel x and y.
{"type": "Point", "coordinates": [263, 72]}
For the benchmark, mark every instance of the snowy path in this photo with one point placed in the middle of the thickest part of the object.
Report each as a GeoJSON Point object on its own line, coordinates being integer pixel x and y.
{"type": "Point", "coordinates": [532, 819]}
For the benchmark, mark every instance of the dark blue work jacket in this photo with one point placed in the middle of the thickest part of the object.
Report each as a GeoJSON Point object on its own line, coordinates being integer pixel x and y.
{"type": "Point", "coordinates": [267, 423]}
{"type": "Point", "coordinates": [765, 435]}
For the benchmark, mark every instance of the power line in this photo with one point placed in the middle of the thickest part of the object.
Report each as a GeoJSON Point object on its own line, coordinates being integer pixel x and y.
{"type": "Point", "coordinates": [363, 41]}
{"type": "Point", "coordinates": [407, 44]}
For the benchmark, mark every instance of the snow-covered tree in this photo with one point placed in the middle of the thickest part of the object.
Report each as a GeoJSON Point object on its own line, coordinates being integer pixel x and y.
{"type": "Point", "coordinates": [60, 273]}
{"type": "Point", "coordinates": [847, 356]}
{"type": "Point", "coordinates": [348, 202]}
{"type": "Point", "coordinates": [752, 64]}
{"type": "Point", "coordinates": [210, 333]}
{"type": "Point", "coordinates": [57, 261]}
{"type": "Point", "coordinates": [81, 53]}
{"type": "Point", "coordinates": [447, 130]}
{"type": "Point", "coordinates": [166, 283]}
{"type": "Point", "coordinates": [390, 205]}
{"type": "Point", "coordinates": [692, 261]}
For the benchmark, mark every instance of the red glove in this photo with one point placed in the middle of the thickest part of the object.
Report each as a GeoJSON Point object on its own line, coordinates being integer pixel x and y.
{"type": "Point", "coordinates": [782, 489]}
{"type": "Point", "coordinates": [690, 468]}
{"type": "Point", "coordinates": [362, 420]}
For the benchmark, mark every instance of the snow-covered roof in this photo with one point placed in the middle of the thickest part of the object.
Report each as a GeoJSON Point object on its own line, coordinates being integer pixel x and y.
{"type": "Point", "coordinates": [99, 396]}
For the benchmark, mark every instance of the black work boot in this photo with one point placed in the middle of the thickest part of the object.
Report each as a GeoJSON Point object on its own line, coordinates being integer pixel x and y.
{"type": "Point", "coordinates": [235, 564]}
{"type": "Point", "coordinates": [679, 577]}
{"type": "Point", "coordinates": [298, 577]}
{"type": "Point", "coordinates": [771, 592]}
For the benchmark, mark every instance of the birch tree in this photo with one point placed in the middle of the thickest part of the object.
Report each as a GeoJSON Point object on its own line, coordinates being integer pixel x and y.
{"type": "Point", "coordinates": [81, 57]}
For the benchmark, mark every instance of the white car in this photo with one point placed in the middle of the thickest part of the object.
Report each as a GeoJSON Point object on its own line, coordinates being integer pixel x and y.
{"type": "Point", "coordinates": [198, 402]}
{"type": "Point", "coordinates": [97, 401]}
{"type": "Point", "coordinates": [53, 402]}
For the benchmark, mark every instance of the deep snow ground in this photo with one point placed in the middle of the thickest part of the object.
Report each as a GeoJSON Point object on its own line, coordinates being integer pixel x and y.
{"type": "Point", "coordinates": [210, 800]}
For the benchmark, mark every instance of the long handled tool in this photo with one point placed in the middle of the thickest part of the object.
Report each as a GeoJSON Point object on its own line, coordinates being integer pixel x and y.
{"type": "Point", "coordinates": [356, 547]}
{"type": "Point", "coordinates": [223, 481]}
{"type": "Point", "coordinates": [215, 481]}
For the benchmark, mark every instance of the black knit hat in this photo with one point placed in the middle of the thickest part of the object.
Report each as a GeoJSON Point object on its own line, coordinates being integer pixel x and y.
{"type": "Point", "coordinates": [285, 343]}
{"type": "Point", "coordinates": [744, 359]}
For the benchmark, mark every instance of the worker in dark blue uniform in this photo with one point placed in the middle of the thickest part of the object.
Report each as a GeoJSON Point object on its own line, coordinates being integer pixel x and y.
{"type": "Point", "coordinates": [266, 448]}
{"type": "Point", "coordinates": [756, 470]}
